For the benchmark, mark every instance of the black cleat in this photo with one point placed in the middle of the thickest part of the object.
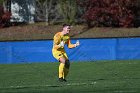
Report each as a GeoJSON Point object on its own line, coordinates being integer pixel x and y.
{"type": "Point", "coordinates": [64, 80]}
{"type": "Point", "coordinates": [61, 79]}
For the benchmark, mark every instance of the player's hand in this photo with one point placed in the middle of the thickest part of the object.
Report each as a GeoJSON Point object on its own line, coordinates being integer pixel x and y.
{"type": "Point", "coordinates": [77, 43]}
{"type": "Point", "coordinates": [61, 44]}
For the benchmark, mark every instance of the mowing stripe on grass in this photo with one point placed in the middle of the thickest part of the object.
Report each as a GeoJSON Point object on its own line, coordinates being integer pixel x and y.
{"type": "Point", "coordinates": [53, 85]}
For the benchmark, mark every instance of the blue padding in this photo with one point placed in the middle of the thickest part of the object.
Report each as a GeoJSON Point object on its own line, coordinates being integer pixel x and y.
{"type": "Point", "coordinates": [89, 50]}
{"type": "Point", "coordinates": [128, 49]}
{"type": "Point", "coordinates": [93, 49]}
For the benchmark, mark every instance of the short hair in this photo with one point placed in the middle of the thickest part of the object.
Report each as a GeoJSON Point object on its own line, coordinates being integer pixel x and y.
{"type": "Point", "coordinates": [64, 25]}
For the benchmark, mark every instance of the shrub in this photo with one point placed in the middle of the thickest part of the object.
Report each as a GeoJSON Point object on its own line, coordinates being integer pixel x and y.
{"type": "Point", "coordinates": [4, 17]}
{"type": "Point", "coordinates": [116, 13]}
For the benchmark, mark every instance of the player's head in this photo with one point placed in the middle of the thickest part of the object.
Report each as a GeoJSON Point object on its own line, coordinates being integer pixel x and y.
{"type": "Point", "coordinates": [66, 28]}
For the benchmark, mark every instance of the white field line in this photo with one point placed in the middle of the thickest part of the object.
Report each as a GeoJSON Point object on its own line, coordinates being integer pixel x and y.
{"type": "Point", "coordinates": [53, 85]}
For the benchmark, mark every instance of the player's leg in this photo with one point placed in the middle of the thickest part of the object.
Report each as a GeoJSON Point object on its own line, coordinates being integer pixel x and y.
{"type": "Point", "coordinates": [61, 68]}
{"type": "Point", "coordinates": [67, 66]}
{"type": "Point", "coordinates": [59, 56]}
{"type": "Point", "coordinates": [63, 71]}
{"type": "Point", "coordinates": [66, 69]}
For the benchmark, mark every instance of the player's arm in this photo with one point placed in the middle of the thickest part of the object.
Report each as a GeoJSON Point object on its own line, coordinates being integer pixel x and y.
{"type": "Point", "coordinates": [57, 41]}
{"type": "Point", "coordinates": [72, 45]}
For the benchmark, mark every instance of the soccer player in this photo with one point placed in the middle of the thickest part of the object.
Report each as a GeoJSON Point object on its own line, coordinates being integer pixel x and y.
{"type": "Point", "coordinates": [58, 51]}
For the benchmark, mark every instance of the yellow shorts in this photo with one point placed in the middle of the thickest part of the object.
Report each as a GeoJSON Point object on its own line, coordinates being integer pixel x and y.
{"type": "Point", "coordinates": [59, 54]}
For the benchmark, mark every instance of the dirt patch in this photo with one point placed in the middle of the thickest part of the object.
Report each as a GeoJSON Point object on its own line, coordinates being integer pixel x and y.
{"type": "Point", "coordinates": [42, 32]}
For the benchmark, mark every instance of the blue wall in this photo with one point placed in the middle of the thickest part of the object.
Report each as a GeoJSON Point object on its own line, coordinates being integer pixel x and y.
{"type": "Point", "coordinates": [89, 50]}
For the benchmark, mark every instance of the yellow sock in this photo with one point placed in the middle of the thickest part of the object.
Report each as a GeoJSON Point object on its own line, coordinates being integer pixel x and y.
{"type": "Point", "coordinates": [61, 70]}
{"type": "Point", "coordinates": [66, 71]}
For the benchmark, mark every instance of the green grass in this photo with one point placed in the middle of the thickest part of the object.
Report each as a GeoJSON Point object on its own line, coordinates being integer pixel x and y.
{"type": "Point", "coordinates": [84, 77]}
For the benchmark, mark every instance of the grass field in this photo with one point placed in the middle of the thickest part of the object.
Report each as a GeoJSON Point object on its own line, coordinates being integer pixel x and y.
{"type": "Point", "coordinates": [84, 77]}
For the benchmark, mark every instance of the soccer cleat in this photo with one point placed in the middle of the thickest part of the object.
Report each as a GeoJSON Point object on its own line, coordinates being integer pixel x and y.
{"type": "Point", "coordinates": [61, 79]}
{"type": "Point", "coordinates": [64, 80]}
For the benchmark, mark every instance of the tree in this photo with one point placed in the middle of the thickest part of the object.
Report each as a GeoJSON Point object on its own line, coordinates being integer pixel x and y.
{"type": "Point", "coordinates": [1, 2]}
{"type": "Point", "coordinates": [59, 10]}
{"type": "Point", "coordinates": [46, 10]}
{"type": "Point", "coordinates": [68, 10]}
{"type": "Point", "coordinates": [117, 13]}
{"type": "Point", "coordinates": [4, 15]}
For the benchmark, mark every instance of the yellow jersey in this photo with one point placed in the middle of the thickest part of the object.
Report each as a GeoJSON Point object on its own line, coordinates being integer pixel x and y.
{"type": "Point", "coordinates": [58, 37]}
